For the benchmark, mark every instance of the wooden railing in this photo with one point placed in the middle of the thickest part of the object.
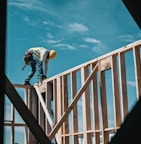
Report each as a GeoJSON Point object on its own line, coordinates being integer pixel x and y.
{"type": "Point", "coordinates": [88, 103]}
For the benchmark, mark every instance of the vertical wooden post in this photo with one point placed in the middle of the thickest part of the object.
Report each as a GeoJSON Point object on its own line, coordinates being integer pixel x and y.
{"type": "Point", "coordinates": [12, 121]}
{"type": "Point", "coordinates": [64, 107]}
{"type": "Point", "coordinates": [86, 107]}
{"type": "Point", "coordinates": [137, 65]}
{"type": "Point", "coordinates": [75, 114]}
{"type": "Point", "coordinates": [49, 97]}
{"type": "Point", "coordinates": [59, 104]}
{"type": "Point", "coordinates": [34, 109]}
{"type": "Point", "coordinates": [116, 98]}
{"type": "Point", "coordinates": [26, 135]}
{"type": "Point", "coordinates": [123, 85]}
{"type": "Point", "coordinates": [55, 102]}
{"type": "Point", "coordinates": [41, 115]}
{"type": "Point", "coordinates": [104, 107]}
{"type": "Point", "coordinates": [95, 109]}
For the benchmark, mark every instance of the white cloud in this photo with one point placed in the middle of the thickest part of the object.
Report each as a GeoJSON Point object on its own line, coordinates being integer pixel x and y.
{"type": "Point", "coordinates": [127, 38]}
{"type": "Point", "coordinates": [65, 46]}
{"type": "Point", "coordinates": [83, 46]}
{"type": "Point", "coordinates": [49, 35]}
{"type": "Point", "coordinates": [92, 40]}
{"type": "Point", "coordinates": [29, 21]}
{"type": "Point", "coordinates": [53, 41]}
{"type": "Point", "coordinates": [99, 48]}
{"type": "Point", "coordinates": [33, 5]}
{"type": "Point", "coordinates": [76, 27]}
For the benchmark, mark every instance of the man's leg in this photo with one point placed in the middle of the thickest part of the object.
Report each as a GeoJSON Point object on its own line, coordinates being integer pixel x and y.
{"type": "Point", "coordinates": [31, 73]}
{"type": "Point", "coordinates": [40, 70]}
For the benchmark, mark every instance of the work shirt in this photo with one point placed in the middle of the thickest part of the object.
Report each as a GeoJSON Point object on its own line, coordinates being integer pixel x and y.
{"type": "Point", "coordinates": [43, 55]}
{"type": "Point", "coordinates": [40, 52]}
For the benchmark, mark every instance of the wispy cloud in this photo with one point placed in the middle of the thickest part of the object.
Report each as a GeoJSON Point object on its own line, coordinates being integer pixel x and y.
{"type": "Point", "coordinates": [32, 5]}
{"type": "Point", "coordinates": [53, 41]}
{"type": "Point", "coordinates": [91, 40]}
{"type": "Point", "coordinates": [83, 46]}
{"type": "Point", "coordinates": [29, 21]}
{"type": "Point", "coordinates": [76, 27]}
{"type": "Point", "coordinates": [128, 38]}
{"type": "Point", "coordinates": [64, 46]}
{"type": "Point", "coordinates": [100, 48]}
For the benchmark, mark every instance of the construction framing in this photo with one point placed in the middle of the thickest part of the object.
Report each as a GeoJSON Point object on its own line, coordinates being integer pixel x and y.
{"type": "Point", "coordinates": [87, 103]}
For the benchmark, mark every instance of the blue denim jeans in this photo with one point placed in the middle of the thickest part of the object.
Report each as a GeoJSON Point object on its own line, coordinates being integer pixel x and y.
{"type": "Point", "coordinates": [33, 63]}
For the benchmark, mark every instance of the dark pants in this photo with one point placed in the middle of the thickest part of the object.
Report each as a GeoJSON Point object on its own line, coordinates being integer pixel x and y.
{"type": "Point", "coordinates": [33, 65]}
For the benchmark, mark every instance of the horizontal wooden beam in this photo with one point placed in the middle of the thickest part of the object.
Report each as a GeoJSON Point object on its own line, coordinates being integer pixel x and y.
{"type": "Point", "coordinates": [22, 86]}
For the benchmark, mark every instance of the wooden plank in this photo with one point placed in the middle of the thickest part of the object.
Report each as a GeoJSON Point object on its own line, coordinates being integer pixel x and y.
{"type": "Point", "coordinates": [12, 126]}
{"type": "Point", "coordinates": [105, 64]}
{"type": "Point", "coordinates": [33, 106]}
{"type": "Point", "coordinates": [71, 106]}
{"type": "Point", "coordinates": [137, 65]}
{"type": "Point", "coordinates": [43, 105]}
{"type": "Point", "coordinates": [104, 107]}
{"type": "Point", "coordinates": [41, 114]}
{"type": "Point", "coordinates": [95, 109]}
{"type": "Point", "coordinates": [115, 52]}
{"type": "Point", "coordinates": [25, 113]}
{"type": "Point", "coordinates": [55, 103]}
{"type": "Point", "coordinates": [55, 100]}
{"type": "Point", "coordinates": [116, 97]}
{"type": "Point", "coordinates": [86, 107]}
{"type": "Point", "coordinates": [74, 113]}
{"type": "Point", "coordinates": [49, 97]}
{"type": "Point", "coordinates": [59, 105]}
{"type": "Point", "coordinates": [42, 87]}
{"type": "Point", "coordinates": [65, 98]}
{"type": "Point", "coordinates": [123, 85]}
{"type": "Point", "coordinates": [22, 86]}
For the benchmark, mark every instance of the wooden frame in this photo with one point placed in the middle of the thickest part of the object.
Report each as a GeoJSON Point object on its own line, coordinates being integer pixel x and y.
{"type": "Point", "coordinates": [88, 91]}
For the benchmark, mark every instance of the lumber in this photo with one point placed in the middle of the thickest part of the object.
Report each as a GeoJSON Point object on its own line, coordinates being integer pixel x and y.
{"type": "Point", "coordinates": [25, 113]}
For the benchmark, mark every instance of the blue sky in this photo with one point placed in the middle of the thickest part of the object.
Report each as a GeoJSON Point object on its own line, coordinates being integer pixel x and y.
{"type": "Point", "coordinates": [79, 31]}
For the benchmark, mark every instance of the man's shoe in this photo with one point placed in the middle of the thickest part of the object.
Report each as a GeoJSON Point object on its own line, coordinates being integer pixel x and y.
{"type": "Point", "coordinates": [43, 78]}
{"type": "Point", "coordinates": [27, 83]}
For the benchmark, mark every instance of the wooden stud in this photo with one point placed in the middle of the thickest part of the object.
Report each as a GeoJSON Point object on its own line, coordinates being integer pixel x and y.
{"type": "Point", "coordinates": [104, 107]}
{"type": "Point", "coordinates": [65, 128]}
{"type": "Point", "coordinates": [123, 85]}
{"type": "Point", "coordinates": [75, 113]}
{"type": "Point", "coordinates": [86, 107]}
{"type": "Point", "coordinates": [116, 97]}
{"type": "Point", "coordinates": [95, 108]}
{"type": "Point", "coordinates": [137, 65]}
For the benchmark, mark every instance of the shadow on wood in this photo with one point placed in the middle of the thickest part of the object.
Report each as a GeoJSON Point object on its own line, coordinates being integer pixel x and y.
{"type": "Point", "coordinates": [129, 132]}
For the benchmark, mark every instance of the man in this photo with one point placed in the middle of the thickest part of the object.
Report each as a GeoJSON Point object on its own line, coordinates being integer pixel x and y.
{"type": "Point", "coordinates": [38, 56]}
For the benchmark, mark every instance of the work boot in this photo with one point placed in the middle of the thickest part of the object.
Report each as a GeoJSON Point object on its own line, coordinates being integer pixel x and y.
{"type": "Point", "coordinates": [43, 77]}
{"type": "Point", "coordinates": [26, 83]}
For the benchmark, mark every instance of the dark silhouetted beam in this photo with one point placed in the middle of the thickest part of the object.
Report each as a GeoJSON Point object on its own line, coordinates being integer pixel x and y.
{"type": "Point", "coordinates": [25, 113]}
{"type": "Point", "coordinates": [2, 64]}
{"type": "Point", "coordinates": [134, 7]}
{"type": "Point", "coordinates": [130, 130]}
